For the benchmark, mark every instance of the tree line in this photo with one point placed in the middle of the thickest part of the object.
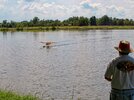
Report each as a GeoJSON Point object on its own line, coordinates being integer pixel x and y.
{"type": "Point", "coordinates": [72, 21]}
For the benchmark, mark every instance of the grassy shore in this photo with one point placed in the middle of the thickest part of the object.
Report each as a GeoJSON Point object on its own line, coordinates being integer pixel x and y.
{"type": "Point", "coordinates": [66, 28]}
{"type": "Point", "coordinates": [4, 95]}
{"type": "Point", "coordinates": [96, 27]}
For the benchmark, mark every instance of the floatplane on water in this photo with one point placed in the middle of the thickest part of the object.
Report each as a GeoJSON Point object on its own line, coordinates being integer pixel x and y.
{"type": "Point", "coordinates": [48, 44]}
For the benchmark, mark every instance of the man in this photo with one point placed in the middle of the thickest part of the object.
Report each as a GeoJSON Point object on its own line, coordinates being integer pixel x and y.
{"type": "Point", "coordinates": [120, 72]}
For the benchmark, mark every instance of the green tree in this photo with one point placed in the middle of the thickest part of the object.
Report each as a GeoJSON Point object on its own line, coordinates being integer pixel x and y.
{"type": "Point", "coordinates": [12, 24]}
{"type": "Point", "coordinates": [25, 23]}
{"type": "Point", "coordinates": [83, 21]}
{"type": "Point", "coordinates": [93, 21]}
{"type": "Point", "coordinates": [114, 21]}
{"type": "Point", "coordinates": [127, 22]}
{"type": "Point", "coordinates": [4, 23]}
{"type": "Point", "coordinates": [0, 24]}
{"type": "Point", "coordinates": [35, 20]}
{"type": "Point", "coordinates": [131, 22]}
{"type": "Point", "coordinates": [120, 22]}
{"type": "Point", "coordinates": [104, 20]}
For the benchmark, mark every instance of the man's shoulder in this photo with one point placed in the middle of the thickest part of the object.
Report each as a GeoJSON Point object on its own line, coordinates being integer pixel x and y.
{"type": "Point", "coordinates": [129, 58]}
{"type": "Point", "coordinates": [126, 63]}
{"type": "Point", "coordinates": [125, 57]}
{"type": "Point", "coordinates": [116, 59]}
{"type": "Point", "coordinates": [122, 58]}
{"type": "Point", "coordinates": [125, 66]}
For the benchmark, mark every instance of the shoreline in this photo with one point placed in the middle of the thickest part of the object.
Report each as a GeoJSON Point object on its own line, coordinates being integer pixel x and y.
{"type": "Point", "coordinates": [9, 95]}
{"type": "Point", "coordinates": [67, 28]}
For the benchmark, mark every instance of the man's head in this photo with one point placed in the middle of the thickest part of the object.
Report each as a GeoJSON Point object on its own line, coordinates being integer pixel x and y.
{"type": "Point", "coordinates": [124, 47]}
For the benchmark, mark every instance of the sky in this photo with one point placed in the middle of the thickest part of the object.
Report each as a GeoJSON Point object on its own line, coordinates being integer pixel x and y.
{"type": "Point", "coordinates": [21, 10]}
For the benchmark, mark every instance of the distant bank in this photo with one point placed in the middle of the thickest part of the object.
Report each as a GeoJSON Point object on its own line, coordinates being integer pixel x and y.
{"type": "Point", "coordinates": [66, 28]}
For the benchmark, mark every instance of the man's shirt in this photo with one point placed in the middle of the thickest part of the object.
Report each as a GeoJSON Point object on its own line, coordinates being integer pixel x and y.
{"type": "Point", "coordinates": [121, 71]}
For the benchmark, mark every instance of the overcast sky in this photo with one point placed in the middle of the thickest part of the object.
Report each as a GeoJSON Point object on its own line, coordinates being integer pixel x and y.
{"type": "Point", "coordinates": [20, 10]}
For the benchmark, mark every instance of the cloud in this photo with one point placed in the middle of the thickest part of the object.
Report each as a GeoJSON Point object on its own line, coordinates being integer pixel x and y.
{"type": "Point", "coordinates": [44, 9]}
{"type": "Point", "coordinates": [47, 7]}
{"type": "Point", "coordinates": [115, 11]}
{"type": "Point", "coordinates": [57, 11]}
{"type": "Point", "coordinates": [86, 4]}
{"type": "Point", "coordinates": [29, 0]}
{"type": "Point", "coordinates": [2, 3]}
{"type": "Point", "coordinates": [26, 0]}
{"type": "Point", "coordinates": [89, 8]}
{"type": "Point", "coordinates": [131, 0]}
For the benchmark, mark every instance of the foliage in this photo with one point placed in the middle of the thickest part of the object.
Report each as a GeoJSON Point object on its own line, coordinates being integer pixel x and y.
{"type": "Point", "coordinates": [93, 21]}
{"type": "Point", "coordinates": [72, 21]}
{"type": "Point", "coordinates": [104, 20]}
{"type": "Point", "coordinates": [4, 95]}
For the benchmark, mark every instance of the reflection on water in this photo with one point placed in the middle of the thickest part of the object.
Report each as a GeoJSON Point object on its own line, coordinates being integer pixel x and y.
{"type": "Point", "coordinates": [72, 68]}
{"type": "Point", "coordinates": [5, 35]}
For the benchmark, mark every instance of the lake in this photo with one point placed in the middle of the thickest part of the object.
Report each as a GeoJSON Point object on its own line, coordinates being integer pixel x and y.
{"type": "Point", "coordinates": [73, 68]}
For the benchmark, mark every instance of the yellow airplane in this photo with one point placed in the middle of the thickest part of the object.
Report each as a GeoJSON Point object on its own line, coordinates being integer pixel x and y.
{"type": "Point", "coordinates": [47, 43]}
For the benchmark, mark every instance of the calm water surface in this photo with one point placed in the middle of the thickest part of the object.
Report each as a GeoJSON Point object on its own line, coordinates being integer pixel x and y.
{"type": "Point", "coordinates": [73, 68]}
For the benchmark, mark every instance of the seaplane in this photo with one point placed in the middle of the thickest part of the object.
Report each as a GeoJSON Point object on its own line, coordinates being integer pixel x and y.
{"type": "Point", "coordinates": [48, 44]}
